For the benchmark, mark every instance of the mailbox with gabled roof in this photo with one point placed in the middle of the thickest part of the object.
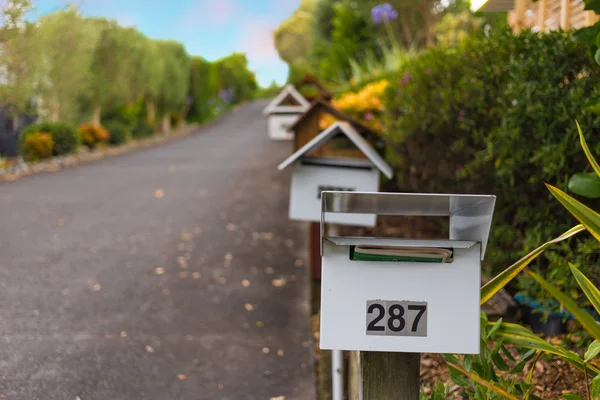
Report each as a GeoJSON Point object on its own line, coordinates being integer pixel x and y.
{"type": "Point", "coordinates": [308, 126]}
{"type": "Point", "coordinates": [316, 172]}
{"type": "Point", "coordinates": [283, 111]}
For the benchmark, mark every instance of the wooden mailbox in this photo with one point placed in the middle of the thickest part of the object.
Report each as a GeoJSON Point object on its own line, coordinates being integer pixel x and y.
{"type": "Point", "coordinates": [315, 172]}
{"type": "Point", "coordinates": [283, 111]}
{"type": "Point", "coordinates": [392, 295]}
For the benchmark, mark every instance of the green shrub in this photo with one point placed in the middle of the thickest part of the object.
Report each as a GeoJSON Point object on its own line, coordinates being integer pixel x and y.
{"type": "Point", "coordinates": [143, 130]}
{"type": "Point", "coordinates": [176, 118]}
{"type": "Point", "coordinates": [119, 132]}
{"type": "Point", "coordinates": [129, 115]}
{"type": "Point", "coordinates": [93, 135]}
{"type": "Point", "coordinates": [37, 146]}
{"type": "Point", "coordinates": [495, 115]}
{"type": "Point", "coordinates": [64, 135]}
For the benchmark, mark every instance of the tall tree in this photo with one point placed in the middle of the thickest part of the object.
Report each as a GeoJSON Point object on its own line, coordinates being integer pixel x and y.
{"type": "Point", "coordinates": [18, 50]}
{"type": "Point", "coordinates": [64, 74]}
{"type": "Point", "coordinates": [174, 82]}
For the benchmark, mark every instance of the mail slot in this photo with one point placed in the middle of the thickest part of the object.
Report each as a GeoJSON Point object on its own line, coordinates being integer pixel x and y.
{"type": "Point", "coordinates": [404, 295]}
{"type": "Point", "coordinates": [314, 174]}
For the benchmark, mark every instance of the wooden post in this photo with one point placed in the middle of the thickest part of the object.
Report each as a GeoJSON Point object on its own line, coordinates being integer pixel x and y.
{"type": "Point", "coordinates": [390, 376]}
{"type": "Point", "coordinates": [520, 8]}
{"type": "Point", "coordinates": [314, 244]}
{"type": "Point", "coordinates": [542, 15]}
{"type": "Point", "coordinates": [565, 14]}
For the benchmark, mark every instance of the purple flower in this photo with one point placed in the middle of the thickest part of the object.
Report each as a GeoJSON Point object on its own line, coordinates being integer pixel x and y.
{"type": "Point", "coordinates": [226, 95]}
{"type": "Point", "coordinates": [369, 116]}
{"type": "Point", "coordinates": [405, 79]}
{"type": "Point", "coordinates": [383, 13]}
{"type": "Point", "coordinates": [461, 115]}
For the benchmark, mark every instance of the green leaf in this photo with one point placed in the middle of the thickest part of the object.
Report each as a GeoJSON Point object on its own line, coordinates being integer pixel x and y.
{"type": "Point", "coordinates": [588, 217]}
{"type": "Point", "coordinates": [597, 56]}
{"type": "Point", "coordinates": [585, 35]}
{"type": "Point", "coordinates": [589, 289]}
{"type": "Point", "coordinates": [592, 351]}
{"type": "Point", "coordinates": [580, 315]}
{"type": "Point", "coordinates": [586, 149]}
{"type": "Point", "coordinates": [572, 397]}
{"type": "Point", "coordinates": [596, 387]}
{"type": "Point", "coordinates": [523, 337]}
{"type": "Point", "coordinates": [593, 5]}
{"type": "Point", "coordinates": [503, 278]}
{"type": "Point", "coordinates": [494, 328]}
{"type": "Point", "coordinates": [521, 364]}
{"type": "Point", "coordinates": [489, 385]}
{"type": "Point", "coordinates": [585, 184]}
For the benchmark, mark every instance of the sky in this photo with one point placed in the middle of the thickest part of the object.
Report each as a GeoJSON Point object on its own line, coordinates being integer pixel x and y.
{"type": "Point", "coordinates": [208, 28]}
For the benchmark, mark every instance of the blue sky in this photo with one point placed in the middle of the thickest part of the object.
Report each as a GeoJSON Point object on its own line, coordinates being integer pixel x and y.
{"type": "Point", "coordinates": [208, 28]}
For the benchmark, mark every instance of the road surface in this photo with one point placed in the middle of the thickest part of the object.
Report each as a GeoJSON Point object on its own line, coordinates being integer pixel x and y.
{"type": "Point", "coordinates": [168, 273]}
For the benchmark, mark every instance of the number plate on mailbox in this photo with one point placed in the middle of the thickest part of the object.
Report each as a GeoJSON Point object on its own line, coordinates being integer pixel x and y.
{"type": "Point", "coordinates": [396, 318]}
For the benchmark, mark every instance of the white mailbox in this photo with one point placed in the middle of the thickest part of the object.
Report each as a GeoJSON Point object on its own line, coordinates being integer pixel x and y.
{"type": "Point", "coordinates": [283, 111]}
{"type": "Point", "coordinates": [315, 174]}
{"type": "Point", "coordinates": [403, 295]}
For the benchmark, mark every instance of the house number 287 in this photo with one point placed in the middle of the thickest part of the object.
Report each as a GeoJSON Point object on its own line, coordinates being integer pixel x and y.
{"type": "Point", "coordinates": [396, 318]}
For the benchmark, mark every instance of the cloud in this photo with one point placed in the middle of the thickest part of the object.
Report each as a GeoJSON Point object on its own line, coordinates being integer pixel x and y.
{"type": "Point", "coordinates": [256, 40]}
{"type": "Point", "coordinates": [216, 12]}
{"type": "Point", "coordinates": [126, 19]}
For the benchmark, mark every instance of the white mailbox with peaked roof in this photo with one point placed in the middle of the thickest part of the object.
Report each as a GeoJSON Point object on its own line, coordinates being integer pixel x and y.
{"type": "Point", "coordinates": [283, 111]}
{"type": "Point", "coordinates": [315, 173]}
{"type": "Point", "coordinates": [404, 295]}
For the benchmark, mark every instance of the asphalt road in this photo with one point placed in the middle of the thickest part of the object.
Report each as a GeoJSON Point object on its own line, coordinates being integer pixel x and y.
{"type": "Point", "coordinates": [168, 273]}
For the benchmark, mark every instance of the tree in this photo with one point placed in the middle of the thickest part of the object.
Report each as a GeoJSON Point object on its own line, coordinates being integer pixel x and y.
{"type": "Point", "coordinates": [64, 74]}
{"type": "Point", "coordinates": [235, 77]}
{"type": "Point", "coordinates": [294, 38]}
{"type": "Point", "coordinates": [203, 90]}
{"type": "Point", "coordinates": [174, 80]}
{"type": "Point", "coordinates": [18, 51]}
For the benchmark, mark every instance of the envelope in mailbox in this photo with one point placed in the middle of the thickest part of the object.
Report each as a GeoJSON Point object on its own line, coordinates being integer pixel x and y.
{"type": "Point", "coordinates": [401, 254]}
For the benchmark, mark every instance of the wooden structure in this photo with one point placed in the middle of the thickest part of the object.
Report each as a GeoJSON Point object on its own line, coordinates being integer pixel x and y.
{"type": "Point", "coordinates": [542, 15]}
{"type": "Point", "coordinates": [306, 128]}
{"type": "Point", "coordinates": [320, 91]}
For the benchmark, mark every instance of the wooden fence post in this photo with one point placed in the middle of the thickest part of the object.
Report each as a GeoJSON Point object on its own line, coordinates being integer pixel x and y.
{"type": "Point", "coordinates": [390, 376]}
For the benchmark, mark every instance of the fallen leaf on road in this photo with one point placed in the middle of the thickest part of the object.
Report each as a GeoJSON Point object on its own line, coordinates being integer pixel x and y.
{"type": "Point", "coordinates": [228, 257]}
{"type": "Point", "coordinates": [123, 334]}
{"type": "Point", "coordinates": [254, 270]}
{"type": "Point", "coordinates": [149, 349]}
{"type": "Point", "coordinates": [185, 236]}
{"type": "Point", "coordinates": [248, 307]}
{"type": "Point", "coordinates": [280, 353]}
{"type": "Point", "coordinates": [182, 262]}
{"type": "Point", "coordinates": [96, 287]}
{"type": "Point", "coordinates": [231, 227]}
{"type": "Point", "coordinates": [289, 243]}
{"type": "Point", "coordinates": [279, 282]}
{"type": "Point", "coordinates": [60, 222]}
{"type": "Point", "coordinates": [196, 275]}
{"type": "Point", "coordinates": [64, 292]}
{"type": "Point", "coordinates": [269, 270]}
{"type": "Point", "coordinates": [159, 270]}
{"type": "Point", "coordinates": [246, 283]}
{"type": "Point", "coordinates": [165, 292]}
{"type": "Point", "coordinates": [278, 398]}
{"type": "Point", "coordinates": [159, 193]}
{"type": "Point", "coordinates": [299, 262]}
{"type": "Point", "coordinates": [266, 350]}
{"type": "Point", "coordinates": [181, 377]}
{"type": "Point", "coordinates": [184, 274]}
{"type": "Point", "coordinates": [260, 324]}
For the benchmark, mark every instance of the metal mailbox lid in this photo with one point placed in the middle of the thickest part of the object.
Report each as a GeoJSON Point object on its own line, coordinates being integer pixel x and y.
{"type": "Point", "coordinates": [353, 135]}
{"type": "Point", "coordinates": [372, 241]}
{"type": "Point", "coordinates": [470, 215]}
